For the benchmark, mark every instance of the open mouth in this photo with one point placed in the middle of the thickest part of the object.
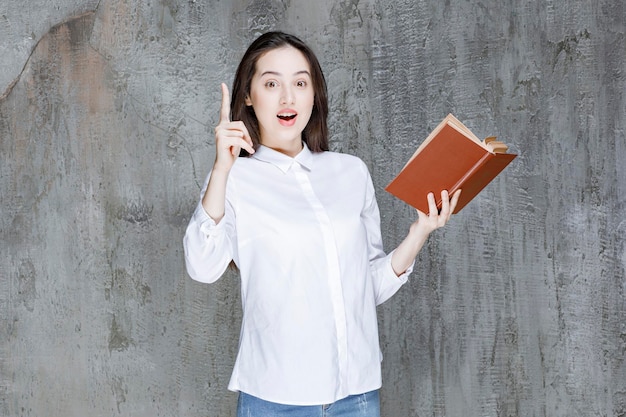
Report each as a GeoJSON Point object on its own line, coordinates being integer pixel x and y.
{"type": "Point", "coordinates": [287, 116]}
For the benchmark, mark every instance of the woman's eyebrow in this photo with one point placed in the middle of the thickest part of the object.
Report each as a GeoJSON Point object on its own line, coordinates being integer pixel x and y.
{"type": "Point", "coordinates": [276, 73]}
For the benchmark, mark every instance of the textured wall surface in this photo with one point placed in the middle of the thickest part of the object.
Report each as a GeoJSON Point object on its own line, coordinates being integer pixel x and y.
{"type": "Point", "coordinates": [107, 108]}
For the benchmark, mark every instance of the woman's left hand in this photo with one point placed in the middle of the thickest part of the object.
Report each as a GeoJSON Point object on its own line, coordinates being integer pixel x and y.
{"type": "Point", "coordinates": [405, 253]}
{"type": "Point", "coordinates": [437, 218]}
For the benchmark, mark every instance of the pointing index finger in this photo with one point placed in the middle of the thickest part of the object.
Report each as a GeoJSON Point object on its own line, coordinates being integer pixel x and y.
{"type": "Point", "coordinates": [225, 109]}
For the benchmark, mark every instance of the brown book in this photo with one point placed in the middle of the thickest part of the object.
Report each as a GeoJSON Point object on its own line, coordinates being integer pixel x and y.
{"type": "Point", "coordinates": [450, 158]}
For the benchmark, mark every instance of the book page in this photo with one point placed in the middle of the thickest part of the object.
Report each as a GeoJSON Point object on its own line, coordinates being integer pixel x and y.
{"type": "Point", "coordinates": [452, 121]}
{"type": "Point", "coordinates": [458, 125]}
{"type": "Point", "coordinates": [495, 146]}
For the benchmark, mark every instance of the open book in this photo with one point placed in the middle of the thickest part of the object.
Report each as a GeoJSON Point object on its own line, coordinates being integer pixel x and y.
{"type": "Point", "coordinates": [450, 158]}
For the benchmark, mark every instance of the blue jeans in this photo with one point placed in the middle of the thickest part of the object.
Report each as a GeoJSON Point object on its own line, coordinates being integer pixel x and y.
{"type": "Point", "coordinates": [362, 405]}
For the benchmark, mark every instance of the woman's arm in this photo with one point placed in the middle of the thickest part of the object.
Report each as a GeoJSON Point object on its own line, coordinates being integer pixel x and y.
{"type": "Point", "coordinates": [406, 252]}
{"type": "Point", "coordinates": [230, 137]}
{"type": "Point", "coordinates": [208, 240]}
{"type": "Point", "coordinates": [208, 245]}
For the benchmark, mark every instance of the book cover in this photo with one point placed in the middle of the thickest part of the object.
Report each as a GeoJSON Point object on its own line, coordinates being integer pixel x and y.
{"type": "Point", "coordinates": [450, 158]}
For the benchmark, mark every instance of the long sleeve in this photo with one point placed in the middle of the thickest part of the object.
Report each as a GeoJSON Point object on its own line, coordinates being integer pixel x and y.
{"type": "Point", "coordinates": [385, 281]}
{"type": "Point", "coordinates": [209, 247]}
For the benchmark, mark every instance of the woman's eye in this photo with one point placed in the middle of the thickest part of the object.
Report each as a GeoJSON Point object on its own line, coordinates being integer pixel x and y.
{"type": "Point", "coordinates": [271, 84]}
{"type": "Point", "coordinates": [301, 83]}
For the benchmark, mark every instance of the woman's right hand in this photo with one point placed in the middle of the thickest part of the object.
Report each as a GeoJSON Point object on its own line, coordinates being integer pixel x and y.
{"type": "Point", "coordinates": [230, 137]}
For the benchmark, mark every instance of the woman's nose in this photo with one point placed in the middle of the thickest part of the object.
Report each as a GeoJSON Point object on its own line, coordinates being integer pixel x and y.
{"type": "Point", "coordinates": [287, 96]}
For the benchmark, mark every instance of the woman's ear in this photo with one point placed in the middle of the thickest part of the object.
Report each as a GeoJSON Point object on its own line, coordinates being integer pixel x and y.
{"type": "Point", "coordinates": [248, 101]}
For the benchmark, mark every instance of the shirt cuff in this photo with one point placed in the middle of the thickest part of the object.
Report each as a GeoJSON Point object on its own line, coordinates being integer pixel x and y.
{"type": "Point", "coordinates": [403, 277]}
{"type": "Point", "coordinates": [206, 223]}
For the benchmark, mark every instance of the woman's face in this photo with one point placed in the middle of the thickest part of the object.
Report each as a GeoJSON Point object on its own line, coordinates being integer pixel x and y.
{"type": "Point", "coordinates": [282, 95]}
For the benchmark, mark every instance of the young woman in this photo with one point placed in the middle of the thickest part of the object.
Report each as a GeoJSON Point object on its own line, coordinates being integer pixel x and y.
{"type": "Point", "coordinates": [302, 226]}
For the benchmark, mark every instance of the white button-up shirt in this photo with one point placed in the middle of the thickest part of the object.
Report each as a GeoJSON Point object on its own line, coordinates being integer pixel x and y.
{"type": "Point", "coordinates": [305, 235]}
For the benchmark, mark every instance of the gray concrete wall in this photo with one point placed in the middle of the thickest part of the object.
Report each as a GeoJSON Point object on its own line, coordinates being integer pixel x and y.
{"type": "Point", "coordinates": [107, 109]}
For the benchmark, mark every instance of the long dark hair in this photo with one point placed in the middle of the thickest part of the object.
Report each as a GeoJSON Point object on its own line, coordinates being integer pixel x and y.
{"type": "Point", "coordinates": [315, 134]}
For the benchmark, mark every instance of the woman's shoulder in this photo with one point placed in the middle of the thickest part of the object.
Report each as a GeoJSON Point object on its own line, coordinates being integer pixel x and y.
{"type": "Point", "coordinates": [337, 163]}
{"type": "Point", "coordinates": [344, 159]}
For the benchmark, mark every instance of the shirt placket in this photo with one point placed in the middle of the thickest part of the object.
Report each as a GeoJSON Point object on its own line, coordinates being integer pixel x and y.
{"type": "Point", "coordinates": [334, 276]}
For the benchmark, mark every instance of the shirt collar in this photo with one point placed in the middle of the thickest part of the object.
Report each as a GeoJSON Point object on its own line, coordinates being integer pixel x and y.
{"type": "Point", "coordinates": [282, 161]}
